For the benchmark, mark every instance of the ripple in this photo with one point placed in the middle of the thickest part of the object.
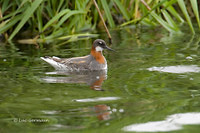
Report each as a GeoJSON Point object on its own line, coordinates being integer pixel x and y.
{"type": "Point", "coordinates": [171, 123]}
{"type": "Point", "coordinates": [49, 112]}
{"type": "Point", "coordinates": [97, 99]}
{"type": "Point", "coordinates": [177, 69]}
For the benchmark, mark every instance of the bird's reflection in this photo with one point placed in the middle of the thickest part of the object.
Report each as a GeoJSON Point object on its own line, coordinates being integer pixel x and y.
{"type": "Point", "coordinates": [92, 78]}
{"type": "Point", "coordinates": [103, 112]}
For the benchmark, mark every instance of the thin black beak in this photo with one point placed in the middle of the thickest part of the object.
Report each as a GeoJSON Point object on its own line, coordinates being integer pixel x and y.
{"type": "Point", "coordinates": [109, 48]}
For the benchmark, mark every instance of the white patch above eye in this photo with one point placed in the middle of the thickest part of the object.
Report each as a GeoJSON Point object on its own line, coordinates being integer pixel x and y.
{"type": "Point", "coordinates": [100, 42]}
{"type": "Point", "coordinates": [99, 48]}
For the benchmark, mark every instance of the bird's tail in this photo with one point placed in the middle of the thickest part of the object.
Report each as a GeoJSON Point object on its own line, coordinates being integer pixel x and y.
{"type": "Point", "coordinates": [52, 61]}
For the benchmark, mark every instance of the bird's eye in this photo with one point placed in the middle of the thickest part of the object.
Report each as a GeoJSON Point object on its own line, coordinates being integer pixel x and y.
{"type": "Point", "coordinates": [100, 43]}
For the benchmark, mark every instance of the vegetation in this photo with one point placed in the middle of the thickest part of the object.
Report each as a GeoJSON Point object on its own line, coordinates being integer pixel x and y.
{"type": "Point", "coordinates": [48, 20]}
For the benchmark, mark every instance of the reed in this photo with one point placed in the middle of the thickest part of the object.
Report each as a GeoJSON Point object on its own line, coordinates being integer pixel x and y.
{"type": "Point", "coordinates": [51, 19]}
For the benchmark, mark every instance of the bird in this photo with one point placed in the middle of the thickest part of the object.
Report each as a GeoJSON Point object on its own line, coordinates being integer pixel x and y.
{"type": "Point", "coordinates": [94, 61]}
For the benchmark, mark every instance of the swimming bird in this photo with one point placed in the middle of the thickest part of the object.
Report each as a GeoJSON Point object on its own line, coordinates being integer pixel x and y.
{"type": "Point", "coordinates": [94, 61]}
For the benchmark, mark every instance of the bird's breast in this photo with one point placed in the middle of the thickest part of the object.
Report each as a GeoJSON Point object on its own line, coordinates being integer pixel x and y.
{"type": "Point", "coordinates": [98, 57]}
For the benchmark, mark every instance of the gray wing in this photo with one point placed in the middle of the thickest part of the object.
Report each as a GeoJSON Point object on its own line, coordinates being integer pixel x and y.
{"type": "Point", "coordinates": [76, 62]}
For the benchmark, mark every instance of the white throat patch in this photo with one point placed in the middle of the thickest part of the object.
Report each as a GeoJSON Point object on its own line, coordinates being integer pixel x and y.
{"type": "Point", "coordinates": [99, 48]}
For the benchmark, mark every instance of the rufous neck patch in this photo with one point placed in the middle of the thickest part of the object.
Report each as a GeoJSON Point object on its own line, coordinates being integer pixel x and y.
{"type": "Point", "coordinates": [98, 56]}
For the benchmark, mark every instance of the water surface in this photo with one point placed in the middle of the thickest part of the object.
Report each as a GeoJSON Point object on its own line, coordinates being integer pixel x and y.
{"type": "Point", "coordinates": [153, 80]}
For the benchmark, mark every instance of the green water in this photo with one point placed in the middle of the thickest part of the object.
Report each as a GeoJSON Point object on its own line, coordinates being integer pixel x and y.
{"type": "Point", "coordinates": [153, 80]}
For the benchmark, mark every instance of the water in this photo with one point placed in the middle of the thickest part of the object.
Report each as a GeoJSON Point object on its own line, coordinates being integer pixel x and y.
{"type": "Point", "coordinates": [152, 85]}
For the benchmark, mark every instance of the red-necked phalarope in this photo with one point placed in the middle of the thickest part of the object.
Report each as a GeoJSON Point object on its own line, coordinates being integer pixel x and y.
{"type": "Point", "coordinates": [94, 61]}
